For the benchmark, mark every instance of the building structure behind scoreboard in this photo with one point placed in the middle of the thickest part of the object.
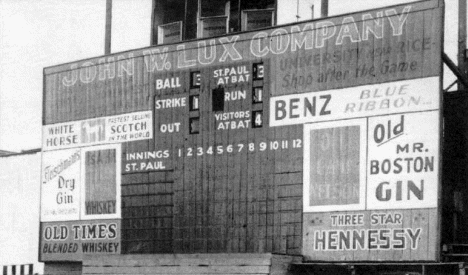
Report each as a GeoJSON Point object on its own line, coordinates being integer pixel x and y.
{"type": "Point", "coordinates": [19, 212]}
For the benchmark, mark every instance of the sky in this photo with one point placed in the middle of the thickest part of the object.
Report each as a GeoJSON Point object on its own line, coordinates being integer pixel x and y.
{"type": "Point", "coordinates": [33, 35]}
{"type": "Point", "coordinates": [38, 33]}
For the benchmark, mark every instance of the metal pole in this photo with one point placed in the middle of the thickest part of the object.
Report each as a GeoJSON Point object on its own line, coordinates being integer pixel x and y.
{"type": "Point", "coordinates": [324, 9]}
{"type": "Point", "coordinates": [462, 61]}
{"type": "Point", "coordinates": [107, 39]}
{"type": "Point", "coordinates": [297, 11]}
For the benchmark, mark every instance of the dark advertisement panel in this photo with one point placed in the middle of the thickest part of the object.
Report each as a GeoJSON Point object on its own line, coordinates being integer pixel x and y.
{"type": "Point", "coordinates": [100, 178]}
{"type": "Point", "coordinates": [69, 241]}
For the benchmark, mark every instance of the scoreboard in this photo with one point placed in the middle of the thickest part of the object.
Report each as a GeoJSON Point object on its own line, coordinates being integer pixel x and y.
{"type": "Point", "coordinates": [319, 138]}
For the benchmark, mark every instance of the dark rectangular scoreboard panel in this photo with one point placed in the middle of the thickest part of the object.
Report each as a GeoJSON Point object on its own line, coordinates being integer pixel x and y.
{"type": "Point", "coordinates": [318, 138]}
{"type": "Point", "coordinates": [215, 101]}
{"type": "Point", "coordinates": [236, 182]}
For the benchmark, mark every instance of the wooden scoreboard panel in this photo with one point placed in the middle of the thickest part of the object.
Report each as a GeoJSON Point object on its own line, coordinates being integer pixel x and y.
{"type": "Point", "coordinates": [319, 138]}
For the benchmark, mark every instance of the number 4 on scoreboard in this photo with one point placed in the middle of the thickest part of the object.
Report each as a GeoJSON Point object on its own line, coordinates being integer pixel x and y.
{"type": "Point", "coordinates": [258, 119]}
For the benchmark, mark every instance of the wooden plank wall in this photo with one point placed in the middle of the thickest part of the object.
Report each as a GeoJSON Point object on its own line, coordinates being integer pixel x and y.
{"type": "Point", "coordinates": [147, 206]}
{"type": "Point", "coordinates": [254, 264]}
{"type": "Point", "coordinates": [62, 268]}
{"type": "Point", "coordinates": [209, 202]}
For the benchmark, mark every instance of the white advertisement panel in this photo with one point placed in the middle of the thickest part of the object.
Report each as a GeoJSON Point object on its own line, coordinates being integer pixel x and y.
{"type": "Point", "coordinates": [81, 183]}
{"type": "Point", "coordinates": [403, 161]}
{"type": "Point", "coordinates": [60, 185]}
{"type": "Point", "coordinates": [102, 130]}
{"type": "Point", "coordinates": [375, 163]}
{"type": "Point", "coordinates": [414, 95]}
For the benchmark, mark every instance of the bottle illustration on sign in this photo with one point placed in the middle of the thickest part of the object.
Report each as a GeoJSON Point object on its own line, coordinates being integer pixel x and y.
{"type": "Point", "coordinates": [93, 130]}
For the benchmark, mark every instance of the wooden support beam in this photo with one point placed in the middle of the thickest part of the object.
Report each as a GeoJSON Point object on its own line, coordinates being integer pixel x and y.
{"type": "Point", "coordinates": [462, 77]}
{"type": "Point", "coordinates": [462, 61]}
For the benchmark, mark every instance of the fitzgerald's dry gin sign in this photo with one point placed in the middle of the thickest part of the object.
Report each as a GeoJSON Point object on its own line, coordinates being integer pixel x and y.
{"type": "Point", "coordinates": [60, 185]}
{"type": "Point", "coordinates": [112, 129]}
{"type": "Point", "coordinates": [81, 183]}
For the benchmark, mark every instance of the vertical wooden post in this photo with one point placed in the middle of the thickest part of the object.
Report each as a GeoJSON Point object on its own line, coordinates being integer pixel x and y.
{"type": "Point", "coordinates": [462, 62]}
{"type": "Point", "coordinates": [153, 40]}
{"type": "Point", "coordinates": [324, 9]}
{"type": "Point", "coordinates": [107, 41]}
{"type": "Point", "coordinates": [199, 30]}
{"type": "Point", "coordinates": [239, 15]}
{"type": "Point", "coordinates": [227, 12]}
{"type": "Point", "coordinates": [275, 19]}
{"type": "Point", "coordinates": [185, 22]}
